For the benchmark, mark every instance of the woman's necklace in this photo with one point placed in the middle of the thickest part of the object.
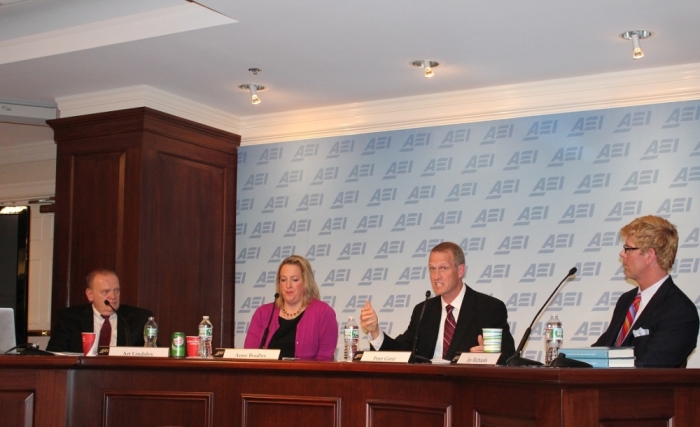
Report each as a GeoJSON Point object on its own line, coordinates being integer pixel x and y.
{"type": "Point", "coordinates": [288, 315]}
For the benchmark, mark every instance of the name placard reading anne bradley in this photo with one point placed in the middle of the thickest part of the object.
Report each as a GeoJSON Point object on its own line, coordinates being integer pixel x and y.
{"type": "Point", "coordinates": [251, 354]}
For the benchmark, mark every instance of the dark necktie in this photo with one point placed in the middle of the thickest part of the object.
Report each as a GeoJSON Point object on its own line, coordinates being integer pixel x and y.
{"type": "Point", "coordinates": [105, 333]}
{"type": "Point", "coordinates": [629, 320]}
{"type": "Point", "coordinates": [449, 330]}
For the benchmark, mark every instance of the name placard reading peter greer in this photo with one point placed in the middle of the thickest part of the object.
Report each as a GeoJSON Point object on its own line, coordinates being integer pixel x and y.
{"type": "Point", "coordinates": [251, 354]}
{"type": "Point", "coordinates": [386, 356]}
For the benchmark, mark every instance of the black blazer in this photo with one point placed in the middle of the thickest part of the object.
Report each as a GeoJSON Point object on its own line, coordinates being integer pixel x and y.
{"type": "Point", "coordinates": [672, 321]}
{"type": "Point", "coordinates": [478, 311]}
{"type": "Point", "coordinates": [73, 321]}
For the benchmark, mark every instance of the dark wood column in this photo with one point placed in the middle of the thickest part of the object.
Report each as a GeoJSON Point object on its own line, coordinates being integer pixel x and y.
{"type": "Point", "coordinates": [151, 196]}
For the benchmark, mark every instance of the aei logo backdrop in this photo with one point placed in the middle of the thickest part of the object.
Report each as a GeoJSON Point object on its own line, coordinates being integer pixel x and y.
{"type": "Point", "coordinates": [527, 199]}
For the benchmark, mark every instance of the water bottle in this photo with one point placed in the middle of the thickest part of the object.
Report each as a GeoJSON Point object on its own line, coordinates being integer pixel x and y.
{"type": "Point", "coordinates": [150, 333]}
{"type": "Point", "coordinates": [206, 330]}
{"type": "Point", "coordinates": [554, 338]}
{"type": "Point", "coordinates": [352, 337]}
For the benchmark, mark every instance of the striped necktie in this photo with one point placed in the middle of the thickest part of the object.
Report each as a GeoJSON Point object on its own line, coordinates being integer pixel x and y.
{"type": "Point", "coordinates": [629, 320]}
{"type": "Point", "coordinates": [105, 333]}
{"type": "Point", "coordinates": [449, 330]}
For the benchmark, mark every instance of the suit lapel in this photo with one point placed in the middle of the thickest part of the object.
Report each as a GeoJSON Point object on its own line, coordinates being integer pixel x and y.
{"type": "Point", "coordinates": [654, 302]}
{"type": "Point", "coordinates": [466, 314]}
{"type": "Point", "coordinates": [87, 321]}
{"type": "Point", "coordinates": [430, 327]}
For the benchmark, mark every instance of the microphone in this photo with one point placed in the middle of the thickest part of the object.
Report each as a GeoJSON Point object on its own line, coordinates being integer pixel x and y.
{"type": "Point", "coordinates": [267, 330]}
{"type": "Point", "coordinates": [515, 359]}
{"type": "Point", "coordinates": [414, 357]}
{"type": "Point", "coordinates": [126, 324]}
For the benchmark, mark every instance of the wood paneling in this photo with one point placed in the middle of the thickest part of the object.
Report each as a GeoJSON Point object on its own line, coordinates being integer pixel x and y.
{"type": "Point", "coordinates": [117, 391]}
{"type": "Point", "coordinates": [152, 197]}
{"type": "Point", "coordinates": [17, 408]}
{"type": "Point", "coordinates": [137, 408]}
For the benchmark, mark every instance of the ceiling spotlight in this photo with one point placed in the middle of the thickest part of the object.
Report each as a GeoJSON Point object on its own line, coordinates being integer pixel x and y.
{"type": "Point", "coordinates": [253, 91]}
{"type": "Point", "coordinates": [635, 36]}
{"type": "Point", "coordinates": [426, 64]}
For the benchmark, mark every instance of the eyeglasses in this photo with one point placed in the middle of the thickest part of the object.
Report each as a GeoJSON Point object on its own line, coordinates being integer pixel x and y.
{"type": "Point", "coordinates": [628, 248]}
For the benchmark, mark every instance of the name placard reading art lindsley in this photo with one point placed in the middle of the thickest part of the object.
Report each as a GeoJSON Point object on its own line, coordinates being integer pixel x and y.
{"type": "Point", "coordinates": [140, 351]}
{"type": "Point", "coordinates": [251, 354]}
{"type": "Point", "coordinates": [386, 356]}
{"type": "Point", "coordinates": [478, 358]}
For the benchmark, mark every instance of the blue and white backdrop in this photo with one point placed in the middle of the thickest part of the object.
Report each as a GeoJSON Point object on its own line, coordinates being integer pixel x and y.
{"type": "Point", "coordinates": [526, 198]}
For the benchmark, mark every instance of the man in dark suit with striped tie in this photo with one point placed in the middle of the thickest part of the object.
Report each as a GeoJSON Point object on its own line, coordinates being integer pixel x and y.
{"type": "Point", "coordinates": [117, 324]}
{"type": "Point", "coordinates": [452, 322]}
{"type": "Point", "coordinates": [656, 317]}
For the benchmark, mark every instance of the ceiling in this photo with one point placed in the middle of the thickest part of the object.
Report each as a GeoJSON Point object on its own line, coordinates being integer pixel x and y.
{"type": "Point", "coordinates": [316, 53]}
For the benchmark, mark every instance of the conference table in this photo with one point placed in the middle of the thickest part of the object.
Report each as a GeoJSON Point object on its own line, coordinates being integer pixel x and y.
{"type": "Point", "coordinates": [127, 391]}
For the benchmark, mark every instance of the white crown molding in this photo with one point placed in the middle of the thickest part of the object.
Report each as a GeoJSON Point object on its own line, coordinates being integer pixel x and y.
{"type": "Point", "coordinates": [611, 90]}
{"type": "Point", "coordinates": [146, 96]}
{"type": "Point", "coordinates": [138, 26]}
{"type": "Point", "coordinates": [28, 152]}
{"type": "Point", "coordinates": [620, 89]}
{"type": "Point", "coordinates": [27, 190]}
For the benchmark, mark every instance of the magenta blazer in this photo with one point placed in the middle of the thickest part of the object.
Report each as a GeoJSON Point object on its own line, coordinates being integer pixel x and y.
{"type": "Point", "coordinates": [317, 331]}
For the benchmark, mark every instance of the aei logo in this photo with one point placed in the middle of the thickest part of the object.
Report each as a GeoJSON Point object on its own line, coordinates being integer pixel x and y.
{"type": "Point", "coordinates": [277, 202]}
{"type": "Point", "coordinates": [588, 330]}
{"type": "Point", "coordinates": [341, 147]}
{"type": "Point", "coordinates": [611, 151]}
{"type": "Point", "coordinates": [607, 301]}
{"type": "Point", "coordinates": [343, 198]}
{"type": "Point", "coordinates": [383, 195]}
{"type": "Point", "coordinates": [497, 132]}
{"type": "Point", "coordinates": [412, 273]}
{"type": "Point", "coordinates": [591, 181]}
{"type": "Point", "coordinates": [270, 154]}
{"type": "Point", "coordinates": [685, 114]}
{"type": "Point", "coordinates": [360, 171]}
{"type": "Point", "coordinates": [602, 239]}
{"type": "Point", "coordinates": [356, 302]}
{"type": "Point", "coordinates": [481, 161]}
{"type": "Point", "coordinates": [251, 304]}
{"type": "Point", "coordinates": [395, 301]}
{"type": "Point", "coordinates": [454, 137]}
{"type": "Point", "coordinates": [377, 144]}
{"type": "Point", "coordinates": [523, 299]}
{"type": "Point", "coordinates": [570, 154]}
{"type": "Point", "coordinates": [535, 271]}
{"type": "Point", "coordinates": [265, 278]}
{"type": "Point", "coordinates": [532, 213]}
{"type": "Point", "coordinates": [684, 176]}
{"type": "Point", "coordinates": [374, 274]}
{"type": "Point", "coordinates": [494, 271]}
{"type": "Point", "coordinates": [305, 151]}
{"type": "Point", "coordinates": [623, 209]}
{"type": "Point", "coordinates": [461, 190]}
{"type": "Point", "coordinates": [543, 127]}
{"type": "Point", "coordinates": [587, 124]}
{"type": "Point", "coordinates": [425, 246]}
{"type": "Point", "coordinates": [248, 254]}
{"type": "Point", "coordinates": [407, 220]}
{"type": "Point", "coordinates": [629, 120]}
{"type": "Point", "coordinates": [298, 226]}
{"type": "Point", "coordinates": [414, 140]}
{"type": "Point", "coordinates": [557, 241]}
{"type": "Point", "coordinates": [325, 174]}
{"type": "Point", "coordinates": [579, 211]}
{"type": "Point", "coordinates": [664, 146]}
{"type": "Point", "coordinates": [525, 157]}
{"type": "Point", "coordinates": [336, 275]}
{"type": "Point", "coordinates": [319, 250]}
{"type": "Point", "coordinates": [423, 192]}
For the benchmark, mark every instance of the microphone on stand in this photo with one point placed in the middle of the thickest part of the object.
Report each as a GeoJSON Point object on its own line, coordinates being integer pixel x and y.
{"type": "Point", "coordinates": [515, 359]}
{"type": "Point", "coordinates": [126, 324]}
{"type": "Point", "coordinates": [267, 330]}
{"type": "Point", "coordinates": [414, 357]}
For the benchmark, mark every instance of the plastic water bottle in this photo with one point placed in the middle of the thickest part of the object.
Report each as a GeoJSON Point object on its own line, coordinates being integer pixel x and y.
{"type": "Point", "coordinates": [352, 337]}
{"type": "Point", "coordinates": [206, 332]}
{"type": "Point", "coordinates": [554, 338]}
{"type": "Point", "coordinates": [150, 333]}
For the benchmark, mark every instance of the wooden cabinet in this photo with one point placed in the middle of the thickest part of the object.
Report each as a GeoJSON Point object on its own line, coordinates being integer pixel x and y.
{"type": "Point", "coordinates": [151, 196]}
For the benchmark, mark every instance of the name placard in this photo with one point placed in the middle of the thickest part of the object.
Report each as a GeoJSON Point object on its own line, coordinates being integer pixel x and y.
{"type": "Point", "coordinates": [386, 356]}
{"type": "Point", "coordinates": [140, 351]}
{"type": "Point", "coordinates": [251, 354]}
{"type": "Point", "coordinates": [478, 358]}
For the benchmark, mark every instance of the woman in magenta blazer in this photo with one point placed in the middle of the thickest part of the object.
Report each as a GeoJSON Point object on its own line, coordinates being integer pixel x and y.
{"type": "Point", "coordinates": [301, 326]}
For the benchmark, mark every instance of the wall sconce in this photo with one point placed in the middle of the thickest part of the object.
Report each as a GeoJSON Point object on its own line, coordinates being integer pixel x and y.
{"type": "Point", "coordinates": [255, 99]}
{"type": "Point", "coordinates": [635, 36]}
{"type": "Point", "coordinates": [426, 64]}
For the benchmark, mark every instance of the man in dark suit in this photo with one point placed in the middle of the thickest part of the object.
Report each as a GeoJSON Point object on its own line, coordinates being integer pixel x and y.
{"type": "Point", "coordinates": [125, 323]}
{"type": "Point", "coordinates": [657, 318]}
{"type": "Point", "coordinates": [470, 309]}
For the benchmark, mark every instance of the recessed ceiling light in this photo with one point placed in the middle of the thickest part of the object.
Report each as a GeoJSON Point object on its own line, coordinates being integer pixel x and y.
{"type": "Point", "coordinates": [636, 36]}
{"type": "Point", "coordinates": [426, 64]}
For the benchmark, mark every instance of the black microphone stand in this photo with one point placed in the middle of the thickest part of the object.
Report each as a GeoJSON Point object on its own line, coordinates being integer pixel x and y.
{"type": "Point", "coordinates": [516, 359]}
{"type": "Point", "coordinates": [415, 358]}
{"type": "Point", "coordinates": [267, 330]}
